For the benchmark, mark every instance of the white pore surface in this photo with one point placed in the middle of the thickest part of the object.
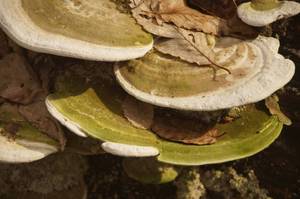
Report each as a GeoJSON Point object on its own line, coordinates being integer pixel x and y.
{"type": "Point", "coordinates": [72, 126]}
{"type": "Point", "coordinates": [273, 72]}
{"type": "Point", "coordinates": [262, 18]}
{"type": "Point", "coordinates": [16, 23]}
{"type": "Point", "coordinates": [129, 150]}
{"type": "Point", "coordinates": [20, 151]}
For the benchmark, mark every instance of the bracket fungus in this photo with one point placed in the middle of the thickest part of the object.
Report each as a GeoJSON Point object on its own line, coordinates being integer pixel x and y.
{"type": "Point", "coordinates": [263, 12]}
{"type": "Point", "coordinates": [19, 141]}
{"type": "Point", "coordinates": [257, 70]}
{"type": "Point", "coordinates": [173, 103]}
{"type": "Point", "coordinates": [95, 108]}
{"type": "Point", "coordinates": [90, 29]}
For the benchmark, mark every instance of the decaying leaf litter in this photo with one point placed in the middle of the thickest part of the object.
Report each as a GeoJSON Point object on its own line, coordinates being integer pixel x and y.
{"type": "Point", "coordinates": [188, 34]}
{"type": "Point", "coordinates": [185, 127]}
{"type": "Point", "coordinates": [192, 32]}
{"type": "Point", "coordinates": [162, 117]}
{"type": "Point", "coordinates": [27, 89]}
{"type": "Point", "coordinates": [181, 32]}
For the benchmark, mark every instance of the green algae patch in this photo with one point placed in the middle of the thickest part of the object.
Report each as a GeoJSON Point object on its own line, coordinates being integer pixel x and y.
{"type": "Point", "coordinates": [94, 105]}
{"type": "Point", "coordinates": [95, 21]}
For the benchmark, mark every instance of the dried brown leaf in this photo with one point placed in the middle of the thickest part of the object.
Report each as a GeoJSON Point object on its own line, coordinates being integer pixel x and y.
{"type": "Point", "coordinates": [182, 49]}
{"type": "Point", "coordinates": [226, 9]}
{"type": "Point", "coordinates": [184, 130]}
{"type": "Point", "coordinates": [182, 16]}
{"type": "Point", "coordinates": [176, 12]}
{"type": "Point", "coordinates": [138, 113]}
{"type": "Point", "coordinates": [19, 83]}
{"type": "Point", "coordinates": [160, 17]}
{"type": "Point", "coordinates": [150, 25]}
{"type": "Point", "coordinates": [274, 108]}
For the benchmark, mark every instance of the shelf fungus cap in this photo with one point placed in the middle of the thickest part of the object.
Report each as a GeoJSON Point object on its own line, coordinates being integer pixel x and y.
{"type": "Point", "coordinates": [257, 71]}
{"type": "Point", "coordinates": [19, 141]}
{"type": "Point", "coordinates": [261, 15]}
{"type": "Point", "coordinates": [96, 107]}
{"type": "Point", "coordinates": [22, 150]}
{"type": "Point", "coordinates": [127, 150]}
{"type": "Point", "coordinates": [90, 29]}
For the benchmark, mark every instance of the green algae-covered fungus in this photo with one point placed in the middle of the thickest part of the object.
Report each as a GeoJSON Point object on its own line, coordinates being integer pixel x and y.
{"type": "Point", "coordinates": [89, 29]}
{"type": "Point", "coordinates": [91, 106]}
{"type": "Point", "coordinates": [165, 81]}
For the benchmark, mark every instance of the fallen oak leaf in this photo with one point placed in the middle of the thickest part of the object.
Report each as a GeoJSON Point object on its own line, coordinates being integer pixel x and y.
{"type": "Point", "coordinates": [163, 30]}
{"type": "Point", "coordinates": [138, 113]}
{"type": "Point", "coordinates": [176, 12]}
{"type": "Point", "coordinates": [182, 16]}
{"type": "Point", "coordinates": [19, 83]}
{"type": "Point", "coordinates": [184, 130]}
{"type": "Point", "coordinates": [159, 17]}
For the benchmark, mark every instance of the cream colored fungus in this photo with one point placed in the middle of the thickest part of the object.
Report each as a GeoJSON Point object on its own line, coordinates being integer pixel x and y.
{"type": "Point", "coordinates": [95, 21]}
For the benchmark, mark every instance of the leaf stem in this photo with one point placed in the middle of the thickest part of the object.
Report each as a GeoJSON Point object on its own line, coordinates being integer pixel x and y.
{"type": "Point", "coordinates": [203, 54]}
